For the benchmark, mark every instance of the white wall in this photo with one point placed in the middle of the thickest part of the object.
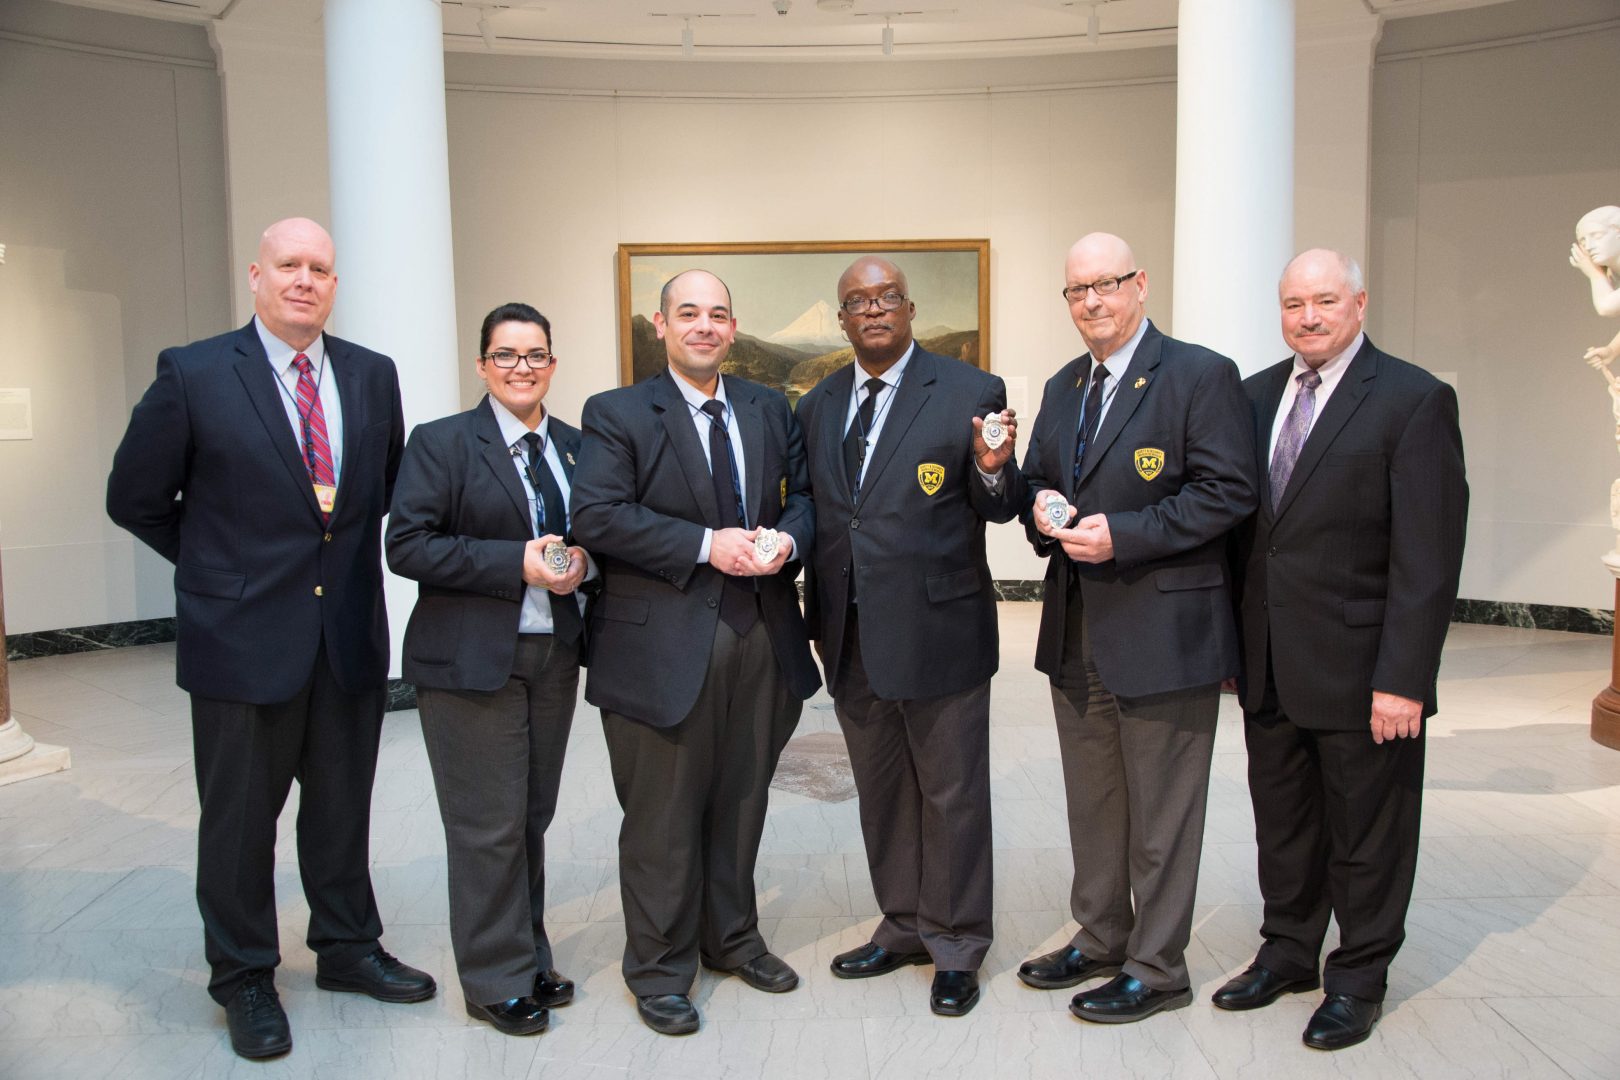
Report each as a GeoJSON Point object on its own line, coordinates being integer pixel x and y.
{"type": "Point", "coordinates": [1482, 162]}
{"type": "Point", "coordinates": [112, 212]}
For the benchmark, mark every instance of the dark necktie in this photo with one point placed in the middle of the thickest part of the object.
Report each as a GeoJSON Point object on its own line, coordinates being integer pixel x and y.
{"type": "Point", "coordinates": [856, 439]}
{"type": "Point", "coordinates": [1291, 439]}
{"type": "Point", "coordinates": [553, 518]}
{"type": "Point", "coordinates": [737, 606]}
{"type": "Point", "coordinates": [1088, 423]}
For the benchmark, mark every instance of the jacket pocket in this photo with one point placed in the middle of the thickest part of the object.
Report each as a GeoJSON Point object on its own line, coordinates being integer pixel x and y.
{"type": "Point", "coordinates": [627, 609]}
{"type": "Point", "coordinates": [221, 584]}
{"type": "Point", "coordinates": [1176, 578]}
{"type": "Point", "coordinates": [1363, 612]}
{"type": "Point", "coordinates": [953, 586]}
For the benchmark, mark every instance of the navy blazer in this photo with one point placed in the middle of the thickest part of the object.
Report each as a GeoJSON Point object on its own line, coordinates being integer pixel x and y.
{"type": "Point", "coordinates": [1350, 580]}
{"type": "Point", "coordinates": [914, 538]}
{"type": "Point", "coordinates": [1172, 467]}
{"type": "Point", "coordinates": [209, 474]}
{"type": "Point", "coordinates": [459, 525]}
{"type": "Point", "coordinates": [642, 497]}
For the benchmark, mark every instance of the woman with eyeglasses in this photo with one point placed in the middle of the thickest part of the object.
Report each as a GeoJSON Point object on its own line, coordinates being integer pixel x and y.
{"type": "Point", "coordinates": [480, 521]}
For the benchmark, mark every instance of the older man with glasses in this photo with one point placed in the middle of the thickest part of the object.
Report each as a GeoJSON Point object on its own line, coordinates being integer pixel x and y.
{"type": "Point", "coordinates": [1141, 460]}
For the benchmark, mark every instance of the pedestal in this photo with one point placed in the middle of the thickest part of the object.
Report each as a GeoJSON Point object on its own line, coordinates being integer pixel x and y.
{"type": "Point", "coordinates": [21, 758]}
{"type": "Point", "coordinates": [1606, 706]}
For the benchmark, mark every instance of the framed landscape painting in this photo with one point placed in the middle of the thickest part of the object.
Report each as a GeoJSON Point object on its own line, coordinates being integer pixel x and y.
{"type": "Point", "coordinates": [784, 297]}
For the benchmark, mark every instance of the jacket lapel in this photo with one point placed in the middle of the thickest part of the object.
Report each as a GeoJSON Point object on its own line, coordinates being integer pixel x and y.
{"type": "Point", "coordinates": [498, 456]}
{"type": "Point", "coordinates": [834, 409]}
{"type": "Point", "coordinates": [1066, 408]}
{"type": "Point", "coordinates": [683, 438]}
{"type": "Point", "coordinates": [752, 426]}
{"type": "Point", "coordinates": [1347, 397]}
{"type": "Point", "coordinates": [915, 387]}
{"type": "Point", "coordinates": [1139, 376]}
{"type": "Point", "coordinates": [1265, 413]}
{"type": "Point", "coordinates": [253, 368]}
{"type": "Point", "coordinates": [351, 399]}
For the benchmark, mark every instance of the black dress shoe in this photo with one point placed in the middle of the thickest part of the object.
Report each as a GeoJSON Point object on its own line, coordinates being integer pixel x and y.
{"type": "Point", "coordinates": [551, 989]}
{"type": "Point", "coordinates": [515, 1016]}
{"type": "Point", "coordinates": [1341, 1021]}
{"type": "Point", "coordinates": [668, 1014]}
{"type": "Point", "coordinates": [1124, 1000]}
{"type": "Point", "coordinates": [767, 972]}
{"type": "Point", "coordinates": [380, 975]}
{"type": "Point", "coordinates": [1258, 987]}
{"type": "Point", "coordinates": [1063, 967]}
{"type": "Point", "coordinates": [873, 959]}
{"type": "Point", "coordinates": [258, 1025]}
{"type": "Point", "coordinates": [954, 993]}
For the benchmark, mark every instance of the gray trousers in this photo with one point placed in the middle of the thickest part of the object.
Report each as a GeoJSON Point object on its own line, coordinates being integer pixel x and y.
{"type": "Point", "coordinates": [922, 770]}
{"type": "Point", "coordinates": [1135, 776]}
{"type": "Point", "coordinates": [694, 798]}
{"type": "Point", "coordinates": [497, 759]}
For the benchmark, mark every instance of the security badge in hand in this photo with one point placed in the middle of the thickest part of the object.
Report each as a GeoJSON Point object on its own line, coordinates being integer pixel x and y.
{"type": "Point", "coordinates": [556, 555]}
{"type": "Point", "coordinates": [767, 543]}
{"type": "Point", "coordinates": [1057, 511]}
{"type": "Point", "coordinates": [994, 432]}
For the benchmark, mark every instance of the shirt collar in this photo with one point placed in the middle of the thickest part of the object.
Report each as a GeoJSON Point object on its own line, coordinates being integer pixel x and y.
{"type": "Point", "coordinates": [695, 397]}
{"type": "Point", "coordinates": [1121, 357]}
{"type": "Point", "coordinates": [281, 354]}
{"type": "Point", "coordinates": [513, 429]}
{"type": "Point", "coordinates": [895, 370]}
{"type": "Point", "coordinates": [1334, 366]}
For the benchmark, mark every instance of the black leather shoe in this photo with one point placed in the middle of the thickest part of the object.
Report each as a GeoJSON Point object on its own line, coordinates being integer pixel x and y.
{"type": "Point", "coordinates": [1124, 1000]}
{"type": "Point", "coordinates": [258, 1025]}
{"type": "Point", "coordinates": [767, 972]}
{"type": "Point", "coordinates": [668, 1014]}
{"type": "Point", "coordinates": [515, 1016]}
{"type": "Point", "coordinates": [1341, 1021]}
{"type": "Point", "coordinates": [379, 975]}
{"type": "Point", "coordinates": [551, 989]}
{"type": "Point", "coordinates": [954, 993]}
{"type": "Point", "coordinates": [873, 959]}
{"type": "Point", "coordinates": [1258, 987]}
{"type": "Point", "coordinates": [1063, 967]}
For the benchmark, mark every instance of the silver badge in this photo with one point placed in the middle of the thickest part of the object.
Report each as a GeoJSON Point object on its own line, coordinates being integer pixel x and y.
{"type": "Point", "coordinates": [994, 432]}
{"type": "Point", "coordinates": [767, 543]}
{"type": "Point", "coordinates": [1057, 511]}
{"type": "Point", "coordinates": [557, 557]}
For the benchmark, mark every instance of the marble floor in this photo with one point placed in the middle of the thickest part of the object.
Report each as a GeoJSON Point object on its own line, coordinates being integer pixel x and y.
{"type": "Point", "coordinates": [1511, 966]}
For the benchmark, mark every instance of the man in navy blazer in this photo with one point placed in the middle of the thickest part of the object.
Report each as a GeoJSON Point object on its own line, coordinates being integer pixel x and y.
{"type": "Point", "coordinates": [903, 610]}
{"type": "Point", "coordinates": [260, 463]}
{"type": "Point", "coordinates": [699, 659]}
{"type": "Point", "coordinates": [1147, 439]}
{"type": "Point", "coordinates": [1349, 574]}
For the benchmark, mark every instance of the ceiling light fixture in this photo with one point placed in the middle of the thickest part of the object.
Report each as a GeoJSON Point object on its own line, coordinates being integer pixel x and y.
{"type": "Point", "coordinates": [888, 39]}
{"type": "Point", "coordinates": [688, 47]}
{"type": "Point", "coordinates": [1093, 26]}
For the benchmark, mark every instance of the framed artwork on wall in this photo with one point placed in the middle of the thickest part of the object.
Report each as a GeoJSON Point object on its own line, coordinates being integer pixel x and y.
{"type": "Point", "coordinates": [784, 297]}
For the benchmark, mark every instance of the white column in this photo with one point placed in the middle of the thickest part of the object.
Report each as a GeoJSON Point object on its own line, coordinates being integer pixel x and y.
{"type": "Point", "coordinates": [1333, 132]}
{"type": "Point", "coordinates": [1234, 174]}
{"type": "Point", "coordinates": [390, 187]}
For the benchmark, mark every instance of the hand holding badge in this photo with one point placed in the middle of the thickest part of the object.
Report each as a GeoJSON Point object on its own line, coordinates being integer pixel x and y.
{"type": "Point", "coordinates": [994, 432]}
{"type": "Point", "coordinates": [556, 556]}
{"type": "Point", "coordinates": [767, 544]}
{"type": "Point", "coordinates": [998, 431]}
{"type": "Point", "coordinates": [1057, 511]}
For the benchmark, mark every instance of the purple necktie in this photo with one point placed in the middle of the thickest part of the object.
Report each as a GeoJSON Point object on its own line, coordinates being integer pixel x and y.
{"type": "Point", "coordinates": [1292, 437]}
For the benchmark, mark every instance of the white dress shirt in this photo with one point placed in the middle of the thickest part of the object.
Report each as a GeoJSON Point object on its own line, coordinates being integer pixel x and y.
{"type": "Point", "coordinates": [281, 356]}
{"type": "Point", "coordinates": [1332, 372]}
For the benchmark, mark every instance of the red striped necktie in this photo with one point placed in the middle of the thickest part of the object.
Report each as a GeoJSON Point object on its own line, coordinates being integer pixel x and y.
{"type": "Point", "coordinates": [312, 428]}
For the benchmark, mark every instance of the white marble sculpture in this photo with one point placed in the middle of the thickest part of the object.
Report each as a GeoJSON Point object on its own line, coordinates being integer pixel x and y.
{"type": "Point", "coordinates": [1596, 253]}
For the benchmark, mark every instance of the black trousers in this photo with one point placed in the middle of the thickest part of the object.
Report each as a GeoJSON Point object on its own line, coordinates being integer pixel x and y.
{"type": "Point", "coordinates": [922, 771]}
{"type": "Point", "coordinates": [247, 757]}
{"type": "Point", "coordinates": [497, 761]}
{"type": "Point", "coordinates": [694, 798]}
{"type": "Point", "coordinates": [1336, 816]}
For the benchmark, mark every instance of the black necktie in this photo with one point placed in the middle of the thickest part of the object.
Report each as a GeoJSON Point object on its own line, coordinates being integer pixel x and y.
{"type": "Point", "coordinates": [1088, 424]}
{"type": "Point", "coordinates": [855, 440]}
{"type": "Point", "coordinates": [737, 606]}
{"type": "Point", "coordinates": [553, 518]}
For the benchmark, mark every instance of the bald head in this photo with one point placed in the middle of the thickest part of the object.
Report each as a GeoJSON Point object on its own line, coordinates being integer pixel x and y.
{"type": "Point", "coordinates": [880, 336]}
{"type": "Point", "coordinates": [1109, 316]}
{"type": "Point", "coordinates": [1324, 303]}
{"type": "Point", "coordinates": [294, 281]}
{"type": "Point", "coordinates": [674, 285]}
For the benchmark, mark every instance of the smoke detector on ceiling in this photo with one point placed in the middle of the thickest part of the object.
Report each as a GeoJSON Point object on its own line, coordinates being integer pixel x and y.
{"type": "Point", "coordinates": [835, 5]}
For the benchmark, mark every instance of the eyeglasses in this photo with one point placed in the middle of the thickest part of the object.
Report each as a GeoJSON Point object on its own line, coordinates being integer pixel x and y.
{"type": "Point", "coordinates": [1102, 287]}
{"type": "Point", "coordinates": [506, 359]}
{"type": "Point", "coordinates": [859, 305]}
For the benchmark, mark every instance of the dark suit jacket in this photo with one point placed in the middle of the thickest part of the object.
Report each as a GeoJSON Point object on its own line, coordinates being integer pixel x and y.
{"type": "Point", "coordinates": [459, 524]}
{"type": "Point", "coordinates": [1172, 467]}
{"type": "Point", "coordinates": [1350, 580]}
{"type": "Point", "coordinates": [642, 498]}
{"type": "Point", "coordinates": [927, 603]}
{"type": "Point", "coordinates": [210, 475]}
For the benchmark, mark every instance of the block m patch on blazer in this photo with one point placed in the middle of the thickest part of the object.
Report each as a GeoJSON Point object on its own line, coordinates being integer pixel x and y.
{"type": "Point", "coordinates": [1149, 462]}
{"type": "Point", "coordinates": [930, 476]}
